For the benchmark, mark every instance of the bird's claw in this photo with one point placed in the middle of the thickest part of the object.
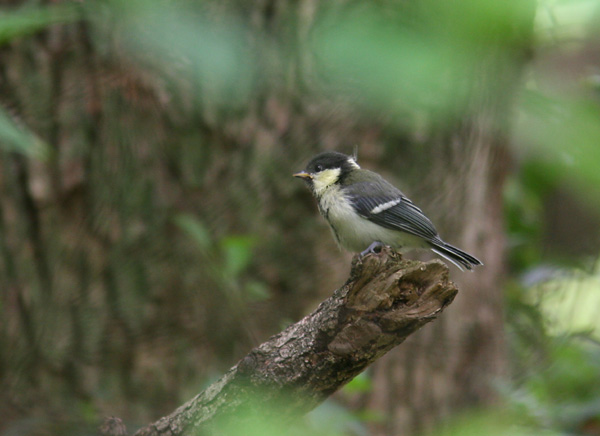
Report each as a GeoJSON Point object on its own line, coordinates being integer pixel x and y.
{"type": "Point", "coordinates": [374, 248]}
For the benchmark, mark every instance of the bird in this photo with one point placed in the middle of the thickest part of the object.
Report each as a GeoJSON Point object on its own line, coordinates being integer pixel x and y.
{"type": "Point", "coordinates": [366, 212]}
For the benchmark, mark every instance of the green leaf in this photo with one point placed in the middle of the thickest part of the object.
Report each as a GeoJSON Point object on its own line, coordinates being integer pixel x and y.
{"type": "Point", "coordinates": [257, 291]}
{"type": "Point", "coordinates": [28, 20]}
{"type": "Point", "coordinates": [15, 137]}
{"type": "Point", "coordinates": [360, 384]}
{"type": "Point", "coordinates": [194, 228]}
{"type": "Point", "coordinates": [237, 252]}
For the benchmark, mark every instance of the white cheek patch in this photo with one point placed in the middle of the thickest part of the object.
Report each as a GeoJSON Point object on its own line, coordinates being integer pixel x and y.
{"type": "Point", "coordinates": [385, 206]}
{"type": "Point", "coordinates": [324, 179]}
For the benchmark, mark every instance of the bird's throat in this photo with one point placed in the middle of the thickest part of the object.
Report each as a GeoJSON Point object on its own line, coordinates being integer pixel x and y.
{"type": "Point", "coordinates": [324, 180]}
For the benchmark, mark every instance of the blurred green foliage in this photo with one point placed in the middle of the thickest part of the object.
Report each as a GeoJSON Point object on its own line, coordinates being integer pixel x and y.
{"type": "Point", "coordinates": [524, 194]}
{"type": "Point", "coordinates": [419, 57]}
{"type": "Point", "coordinates": [27, 20]}
{"type": "Point", "coordinates": [494, 422]}
{"type": "Point", "coordinates": [181, 36]}
{"type": "Point", "coordinates": [570, 302]}
{"type": "Point", "coordinates": [565, 133]}
{"type": "Point", "coordinates": [227, 259]}
{"type": "Point", "coordinates": [560, 108]}
{"type": "Point", "coordinates": [559, 391]}
{"type": "Point", "coordinates": [329, 419]}
{"type": "Point", "coordinates": [14, 137]}
{"type": "Point", "coordinates": [359, 384]}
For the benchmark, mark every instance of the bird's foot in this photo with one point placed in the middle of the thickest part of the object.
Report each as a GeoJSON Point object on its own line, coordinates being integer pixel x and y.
{"type": "Point", "coordinates": [374, 248]}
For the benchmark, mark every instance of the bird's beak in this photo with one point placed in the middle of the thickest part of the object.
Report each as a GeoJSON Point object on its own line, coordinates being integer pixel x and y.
{"type": "Point", "coordinates": [303, 175]}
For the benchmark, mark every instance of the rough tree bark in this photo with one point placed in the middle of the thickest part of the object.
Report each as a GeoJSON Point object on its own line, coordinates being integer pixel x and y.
{"type": "Point", "coordinates": [385, 299]}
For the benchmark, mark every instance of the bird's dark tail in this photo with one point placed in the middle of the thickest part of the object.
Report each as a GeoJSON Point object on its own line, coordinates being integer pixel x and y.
{"type": "Point", "coordinates": [455, 255]}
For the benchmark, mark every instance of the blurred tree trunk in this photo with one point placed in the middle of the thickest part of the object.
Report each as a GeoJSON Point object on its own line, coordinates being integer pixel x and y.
{"type": "Point", "coordinates": [453, 364]}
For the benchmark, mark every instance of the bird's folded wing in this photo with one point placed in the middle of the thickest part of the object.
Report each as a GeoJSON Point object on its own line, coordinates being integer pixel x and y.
{"type": "Point", "coordinates": [393, 212]}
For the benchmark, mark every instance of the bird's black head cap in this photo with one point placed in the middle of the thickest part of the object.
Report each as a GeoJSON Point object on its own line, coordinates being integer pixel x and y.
{"type": "Point", "coordinates": [330, 160]}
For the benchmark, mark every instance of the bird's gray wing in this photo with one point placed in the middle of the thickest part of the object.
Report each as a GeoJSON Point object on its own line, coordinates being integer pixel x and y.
{"type": "Point", "coordinates": [391, 210]}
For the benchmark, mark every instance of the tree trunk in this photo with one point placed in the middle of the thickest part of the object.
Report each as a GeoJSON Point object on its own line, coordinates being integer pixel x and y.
{"type": "Point", "coordinates": [453, 364]}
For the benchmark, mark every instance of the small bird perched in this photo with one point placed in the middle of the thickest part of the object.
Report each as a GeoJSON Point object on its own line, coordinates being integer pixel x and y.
{"type": "Point", "coordinates": [364, 210]}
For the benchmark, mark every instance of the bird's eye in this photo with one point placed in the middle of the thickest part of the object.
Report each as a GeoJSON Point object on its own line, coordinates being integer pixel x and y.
{"type": "Point", "coordinates": [319, 168]}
